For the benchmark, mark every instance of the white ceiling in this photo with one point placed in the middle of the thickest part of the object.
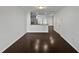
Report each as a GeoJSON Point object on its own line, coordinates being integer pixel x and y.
{"type": "Point", "coordinates": [48, 9]}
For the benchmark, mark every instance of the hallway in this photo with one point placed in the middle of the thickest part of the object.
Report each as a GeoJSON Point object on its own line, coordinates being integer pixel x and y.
{"type": "Point", "coordinates": [29, 29]}
{"type": "Point", "coordinates": [39, 29]}
{"type": "Point", "coordinates": [50, 42]}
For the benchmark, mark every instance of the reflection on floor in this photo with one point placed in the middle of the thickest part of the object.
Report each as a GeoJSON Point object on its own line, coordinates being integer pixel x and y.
{"type": "Point", "coordinates": [50, 42]}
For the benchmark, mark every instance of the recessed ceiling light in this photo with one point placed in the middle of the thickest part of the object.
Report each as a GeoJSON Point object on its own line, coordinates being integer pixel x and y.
{"type": "Point", "coordinates": [41, 7]}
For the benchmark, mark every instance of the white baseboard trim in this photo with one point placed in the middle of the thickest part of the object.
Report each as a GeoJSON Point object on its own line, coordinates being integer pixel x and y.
{"type": "Point", "coordinates": [69, 42]}
{"type": "Point", "coordinates": [12, 42]}
{"type": "Point", "coordinates": [37, 32]}
{"type": "Point", "coordinates": [66, 39]}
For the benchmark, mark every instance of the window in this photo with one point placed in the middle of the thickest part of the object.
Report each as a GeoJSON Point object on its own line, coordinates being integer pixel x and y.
{"type": "Point", "coordinates": [38, 19]}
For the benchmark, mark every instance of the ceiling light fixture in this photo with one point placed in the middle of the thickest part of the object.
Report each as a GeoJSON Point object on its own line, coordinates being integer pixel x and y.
{"type": "Point", "coordinates": [41, 7]}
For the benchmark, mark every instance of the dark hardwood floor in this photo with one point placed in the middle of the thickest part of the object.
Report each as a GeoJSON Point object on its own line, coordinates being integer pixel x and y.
{"type": "Point", "coordinates": [50, 42]}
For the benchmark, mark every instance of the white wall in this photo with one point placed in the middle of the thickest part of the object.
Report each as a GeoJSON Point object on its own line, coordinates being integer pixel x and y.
{"type": "Point", "coordinates": [11, 26]}
{"type": "Point", "coordinates": [66, 23]}
{"type": "Point", "coordinates": [35, 28]}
